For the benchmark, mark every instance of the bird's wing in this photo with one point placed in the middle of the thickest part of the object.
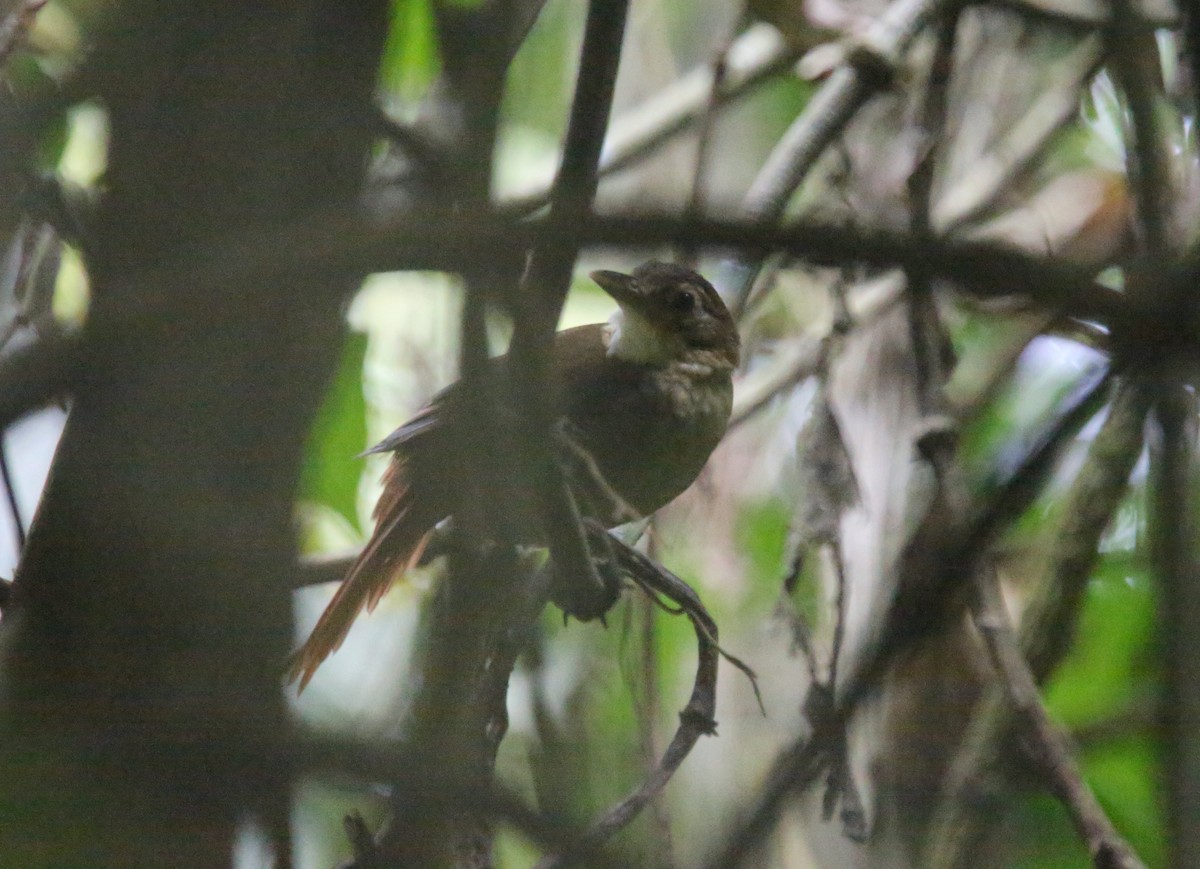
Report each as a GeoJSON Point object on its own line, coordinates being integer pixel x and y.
{"type": "Point", "coordinates": [424, 421]}
{"type": "Point", "coordinates": [576, 359]}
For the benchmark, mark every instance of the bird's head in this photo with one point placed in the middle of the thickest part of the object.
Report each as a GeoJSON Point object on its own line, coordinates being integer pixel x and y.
{"type": "Point", "coordinates": [667, 314]}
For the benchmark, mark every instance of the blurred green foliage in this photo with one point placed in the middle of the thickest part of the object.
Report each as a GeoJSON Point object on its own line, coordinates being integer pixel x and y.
{"type": "Point", "coordinates": [331, 469]}
{"type": "Point", "coordinates": [411, 60]}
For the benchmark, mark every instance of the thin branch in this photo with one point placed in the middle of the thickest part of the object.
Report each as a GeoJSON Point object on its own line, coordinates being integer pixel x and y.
{"type": "Point", "coordinates": [869, 67]}
{"type": "Point", "coordinates": [697, 200]}
{"type": "Point", "coordinates": [544, 291]}
{"type": "Point", "coordinates": [923, 608]}
{"type": "Point", "coordinates": [458, 714]}
{"type": "Point", "coordinates": [925, 330]}
{"type": "Point", "coordinates": [1048, 620]}
{"type": "Point", "coordinates": [755, 57]}
{"type": "Point", "coordinates": [800, 364]}
{"type": "Point", "coordinates": [1172, 532]}
{"type": "Point", "coordinates": [1044, 740]}
{"type": "Point", "coordinates": [1137, 70]}
{"type": "Point", "coordinates": [795, 770]}
{"type": "Point", "coordinates": [647, 703]}
{"type": "Point", "coordinates": [445, 240]}
{"type": "Point", "coordinates": [1026, 479]}
{"type": "Point", "coordinates": [696, 719]}
{"type": "Point", "coordinates": [799, 766]}
{"type": "Point", "coordinates": [966, 403]}
{"type": "Point", "coordinates": [993, 173]}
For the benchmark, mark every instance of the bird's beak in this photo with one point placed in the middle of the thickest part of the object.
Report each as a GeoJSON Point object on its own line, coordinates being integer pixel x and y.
{"type": "Point", "coordinates": [621, 287]}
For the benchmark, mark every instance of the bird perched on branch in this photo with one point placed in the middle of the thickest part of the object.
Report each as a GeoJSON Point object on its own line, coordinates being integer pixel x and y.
{"type": "Point", "coordinates": [646, 397]}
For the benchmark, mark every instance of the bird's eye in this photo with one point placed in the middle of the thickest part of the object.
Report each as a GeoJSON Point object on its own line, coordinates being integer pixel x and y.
{"type": "Point", "coordinates": [683, 301]}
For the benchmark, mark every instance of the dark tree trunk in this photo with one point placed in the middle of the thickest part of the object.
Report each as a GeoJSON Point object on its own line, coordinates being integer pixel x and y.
{"type": "Point", "coordinates": [141, 668]}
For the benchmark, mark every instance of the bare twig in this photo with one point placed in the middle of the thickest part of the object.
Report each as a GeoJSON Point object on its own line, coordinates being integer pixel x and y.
{"type": "Point", "coordinates": [1024, 479]}
{"type": "Point", "coordinates": [696, 719]}
{"type": "Point", "coordinates": [989, 176]}
{"type": "Point", "coordinates": [755, 57]}
{"type": "Point", "coordinates": [795, 770]}
{"type": "Point", "coordinates": [1044, 740]}
{"type": "Point", "coordinates": [799, 364]}
{"type": "Point", "coordinates": [458, 714]}
{"type": "Point", "coordinates": [445, 240]}
{"type": "Point", "coordinates": [867, 68]}
{"type": "Point", "coordinates": [800, 765]}
{"type": "Point", "coordinates": [1048, 620]}
{"type": "Point", "coordinates": [647, 703]}
{"type": "Point", "coordinates": [965, 403]}
{"type": "Point", "coordinates": [920, 611]}
{"type": "Point", "coordinates": [1134, 54]}
{"type": "Point", "coordinates": [925, 329]}
{"type": "Point", "coordinates": [699, 192]}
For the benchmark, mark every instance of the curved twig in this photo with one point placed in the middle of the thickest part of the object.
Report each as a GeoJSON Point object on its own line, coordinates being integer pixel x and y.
{"type": "Point", "coordinates": [697, 718]}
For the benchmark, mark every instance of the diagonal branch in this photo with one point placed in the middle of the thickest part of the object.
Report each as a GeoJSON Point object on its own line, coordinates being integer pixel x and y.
{"type": "Point", "coordinates": [756, 57]}
{"type": "Point", "coordinates": [1048, 620]}
{"type": "Point", "coordinates": [1044, 740]}
{"type": "Point", "coordinates": [867, 68]}
{"type": "Point", "coordinates": [800, 765]}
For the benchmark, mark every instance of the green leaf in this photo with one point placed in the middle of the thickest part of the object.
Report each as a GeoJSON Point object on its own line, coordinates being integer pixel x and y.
{"type": "Point", "coordinates": [1110, 667]}
{"type": "Point", "coordinates": [331, 470]}
{"type": "Point", "coordinates": [1125, 775]}
{"type": "Point", "coordinates": [411, 59]}
{"type": "Point", "coordinates": [762, 534]}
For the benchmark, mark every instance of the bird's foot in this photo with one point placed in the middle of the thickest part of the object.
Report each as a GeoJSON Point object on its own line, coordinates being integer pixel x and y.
{"type": "Point", "coordinates": [582, 597]}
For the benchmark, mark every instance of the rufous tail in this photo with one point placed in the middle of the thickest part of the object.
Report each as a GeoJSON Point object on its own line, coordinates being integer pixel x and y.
{"type": "Point", "coordinates": [395, 547]}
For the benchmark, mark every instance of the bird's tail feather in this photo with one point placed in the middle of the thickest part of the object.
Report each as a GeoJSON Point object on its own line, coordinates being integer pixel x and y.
{"type": "Point", "coordinates": [395, 547]}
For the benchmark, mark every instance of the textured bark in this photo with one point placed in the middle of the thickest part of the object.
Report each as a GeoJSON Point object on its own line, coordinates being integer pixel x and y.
{"type": "Point", "coordinates": [142, 702]}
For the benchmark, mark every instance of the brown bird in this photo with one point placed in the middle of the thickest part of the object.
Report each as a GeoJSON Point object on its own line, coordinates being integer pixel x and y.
{"type": "Point", "coordinates": [647, 395]}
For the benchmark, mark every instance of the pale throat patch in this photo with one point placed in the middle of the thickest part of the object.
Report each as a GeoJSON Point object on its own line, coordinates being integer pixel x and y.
{"type": "Point", "coordinates": [633, 339]}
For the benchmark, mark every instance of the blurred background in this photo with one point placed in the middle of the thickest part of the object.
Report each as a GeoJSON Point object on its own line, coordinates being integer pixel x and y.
{"type": "Point", "coordinates": [1033, 155]}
